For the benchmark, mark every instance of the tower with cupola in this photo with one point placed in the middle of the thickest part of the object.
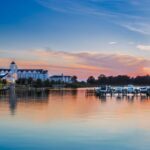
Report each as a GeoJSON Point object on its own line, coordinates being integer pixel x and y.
{"type": "Point", "coordinates": [13, 68]}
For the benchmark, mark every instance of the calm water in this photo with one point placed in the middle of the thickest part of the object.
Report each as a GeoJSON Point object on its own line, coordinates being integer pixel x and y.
{"type": "Point", "coordinates": [69, 120]}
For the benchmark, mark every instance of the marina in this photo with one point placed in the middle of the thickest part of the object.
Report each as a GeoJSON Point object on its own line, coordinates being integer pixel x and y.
{"type": "Point", "coordinates": [119, 90]}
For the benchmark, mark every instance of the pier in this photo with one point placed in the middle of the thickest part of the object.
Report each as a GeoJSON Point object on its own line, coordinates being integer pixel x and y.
{"type": "Point", "coordinates": [124, 91]}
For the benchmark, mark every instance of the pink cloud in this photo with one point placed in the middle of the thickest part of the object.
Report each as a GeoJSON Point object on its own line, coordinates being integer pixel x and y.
{"type": "Point", "coordinates": [82, 64]}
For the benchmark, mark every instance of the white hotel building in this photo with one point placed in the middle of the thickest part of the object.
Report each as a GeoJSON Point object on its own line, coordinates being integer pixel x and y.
{"type": "Point", "coordinates": [25, 73]}
{"type": "Point", "coordinates": [35, 74]}
{"type": "Point", "coordinates": [61, 78]}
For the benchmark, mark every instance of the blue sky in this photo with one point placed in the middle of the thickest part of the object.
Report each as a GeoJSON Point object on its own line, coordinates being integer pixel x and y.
{"type": "Point", "coordinates": [108, 27]}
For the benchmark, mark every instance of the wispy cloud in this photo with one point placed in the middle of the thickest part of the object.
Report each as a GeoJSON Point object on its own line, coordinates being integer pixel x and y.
{"type": "Point", "coordinates": [142, 28]}
{"type": "Point", "coordinates": [130, 14]}
{"type": "Point", "coordinates": [144, 47]}
{"type": "Point", "coordinates": [112, 43]}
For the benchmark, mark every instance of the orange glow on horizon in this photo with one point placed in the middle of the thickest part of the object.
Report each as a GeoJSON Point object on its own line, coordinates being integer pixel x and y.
{"type": "Point", "coordinates": [82, 65]}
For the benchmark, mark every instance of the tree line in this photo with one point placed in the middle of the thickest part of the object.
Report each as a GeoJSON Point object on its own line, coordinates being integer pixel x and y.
{"type": "Point", "coordinates": [119, 80]}
{"type": "Point", "coordinates": [46, 83]}
{"type": "Point", "coordinates": [91, 81]}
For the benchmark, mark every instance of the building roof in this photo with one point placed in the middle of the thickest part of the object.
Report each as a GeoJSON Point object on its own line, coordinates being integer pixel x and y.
{"type": "Point", "coordinates": [2, 76]}
{"type": "Point", "coordinates": [27, 70]}
{"type": "Point", "coordinates": [60, 76]}
{"type": "Point", "coordinates": [32, 70]}
{"type": "Point", "coordinates": [3, 69]}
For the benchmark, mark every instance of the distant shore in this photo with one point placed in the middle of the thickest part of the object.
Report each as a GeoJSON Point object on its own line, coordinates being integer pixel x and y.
{"type": "Point", "coordinates": [91, 82]}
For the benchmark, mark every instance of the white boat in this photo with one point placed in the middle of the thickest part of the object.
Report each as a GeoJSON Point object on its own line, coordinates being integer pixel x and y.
{"type": "Point", "coordinates": [103, 90]}
{"type": "Point", "coordinates": [131, 89]}
{"type": "Point", "coordinates": [119, 89]}
{"type": "Point", "coordinates": [144, 90]}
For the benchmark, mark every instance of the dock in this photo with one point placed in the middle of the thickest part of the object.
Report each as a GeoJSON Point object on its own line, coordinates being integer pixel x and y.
{"type": "Point", "coordinates": [104, 91]}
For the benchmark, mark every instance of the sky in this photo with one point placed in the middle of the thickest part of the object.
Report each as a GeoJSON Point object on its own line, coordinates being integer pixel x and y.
{"type": "Point", "coordinates": [76, 37]}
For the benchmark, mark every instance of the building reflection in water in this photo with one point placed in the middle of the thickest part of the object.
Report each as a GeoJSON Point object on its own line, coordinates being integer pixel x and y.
{"type": "Point", "coordinates": [12, 99]}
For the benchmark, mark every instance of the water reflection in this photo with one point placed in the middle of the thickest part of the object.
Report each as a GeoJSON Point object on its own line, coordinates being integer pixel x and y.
{"type": "Point", "coordinates": [12, 99]}
{"type": "Point", "coordinates": [69, 101]}
{"type": "Point", "coordinates": [63, 92]}
{"type": "Point", "coordinates": [41, 120]}
{"type": "Point", "coordinates": [129, 98]}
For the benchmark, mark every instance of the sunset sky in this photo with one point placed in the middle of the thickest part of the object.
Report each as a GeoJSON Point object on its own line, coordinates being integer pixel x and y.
{"type": "Point", "coordinates": [76, 37]}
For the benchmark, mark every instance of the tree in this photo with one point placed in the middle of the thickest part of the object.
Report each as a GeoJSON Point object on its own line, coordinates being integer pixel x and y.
{"type": "Point", "coordinates": [29, 80]}
{"type": "Point", "coordinates": [21, 81]}
{"type": "Point", "coordinates": [47, 83]}
{"type": "Point", "coordinates": [91, 80]}
{"type": "Point", "coordinates": [102, 79]}
{"type": "Point", "coordinates": [38, 83]}
{"type": "Point", "coordinates": [74, 79]}
{"type": "Point", "coordinates": [4, 81]}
